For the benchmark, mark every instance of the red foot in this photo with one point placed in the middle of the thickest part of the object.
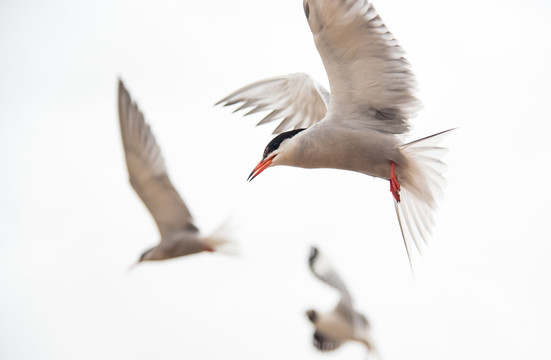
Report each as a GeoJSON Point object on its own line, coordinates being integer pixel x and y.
{"type": "Point", "coordinates": [394, 184]}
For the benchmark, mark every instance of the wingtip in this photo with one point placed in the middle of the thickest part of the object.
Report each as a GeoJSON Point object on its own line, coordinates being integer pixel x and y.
{"type": "Point", "coordinates": [313, 255]}
{"type": "Point", "coordinates": [122, 87]}
{"type": "Point", "coordinates": [227, 100]}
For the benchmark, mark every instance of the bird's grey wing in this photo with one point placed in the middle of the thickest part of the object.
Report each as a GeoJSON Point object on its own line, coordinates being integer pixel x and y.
{"type": "Point", "coordinates": [325, 343]}
{"type": "Point", "coordinates": [147, 171]}
{"type": "Point", "coordinates": [297, 100]}
{"type": "Point", "coordinates": [323, 270]}
{"type": "Point", "coordinates": [370, 79]}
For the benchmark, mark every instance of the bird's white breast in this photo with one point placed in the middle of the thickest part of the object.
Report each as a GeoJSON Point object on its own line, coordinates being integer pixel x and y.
{"type": "Point", "coordinates": [329, 145]}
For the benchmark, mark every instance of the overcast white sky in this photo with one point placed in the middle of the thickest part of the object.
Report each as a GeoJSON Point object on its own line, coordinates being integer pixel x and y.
{"type": "Point", "coordinates": [70, 223]}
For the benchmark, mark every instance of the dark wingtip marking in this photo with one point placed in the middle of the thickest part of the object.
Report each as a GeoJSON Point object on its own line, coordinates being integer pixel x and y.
{"type": "Point", "coordinates": [313, 254]}
{"type": "Point", "coordinates": [307, 9]}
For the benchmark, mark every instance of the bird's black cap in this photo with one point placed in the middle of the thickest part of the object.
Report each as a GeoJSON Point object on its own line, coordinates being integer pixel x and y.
{"type": "Point", "coordinates": [144, 254]}
{"type": "Point", "coordinates": [274, 144]}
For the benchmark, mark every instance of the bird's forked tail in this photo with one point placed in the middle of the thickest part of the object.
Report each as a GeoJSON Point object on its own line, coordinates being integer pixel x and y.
{"type": "Point", "coordinates": [421, 186]}
{"type": "Point", "coordinates": [222, 239]}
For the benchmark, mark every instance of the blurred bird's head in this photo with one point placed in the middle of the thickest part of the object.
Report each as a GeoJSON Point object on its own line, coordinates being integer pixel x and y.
{"type": "Point", "coordinates": [312, 316]}
{"type": "Point", "coordinates": [145, 255]}
{"type": "Point", "coordinates": [272, 150]}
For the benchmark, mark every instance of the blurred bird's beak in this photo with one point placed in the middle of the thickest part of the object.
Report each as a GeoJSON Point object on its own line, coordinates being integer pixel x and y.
{"type": "Point", "coordinates": [261, 167]}
{"type": "Point", "coordinates": [133, 266]}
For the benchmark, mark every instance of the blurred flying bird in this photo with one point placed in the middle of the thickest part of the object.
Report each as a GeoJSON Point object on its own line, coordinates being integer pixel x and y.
{"type": "Point", "coordinates": [342, 324]}
{"type": "Point", "coordinates": [149, 178]}
{"type": "Point", "coordinates": [359, 126]}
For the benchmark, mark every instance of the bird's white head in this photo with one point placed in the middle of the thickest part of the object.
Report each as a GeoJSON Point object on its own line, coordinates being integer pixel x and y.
{"type": "Point", "coordinates": [272, 150]}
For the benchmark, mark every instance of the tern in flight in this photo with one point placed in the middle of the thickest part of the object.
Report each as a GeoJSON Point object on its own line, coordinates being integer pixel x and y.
{"type": "Point", "coordinates": [149, 178]}
{"type": "Point", "coordinates": [342, 324]}
{"type": "Point", "coordinates": [360, 125]}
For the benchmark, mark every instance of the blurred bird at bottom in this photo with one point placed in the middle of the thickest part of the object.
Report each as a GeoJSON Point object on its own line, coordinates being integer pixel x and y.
{"type": "Point", "coordinates": [342, 324]}
{"type": "Point", "coordinates": [149, 178]}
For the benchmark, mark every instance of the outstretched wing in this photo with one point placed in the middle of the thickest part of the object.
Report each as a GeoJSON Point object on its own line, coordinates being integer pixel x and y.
{"type": "Point", "coordinates": [370, 79]}
{"type": "Point", "coordinates": [147, 171]}
{"type": "Point", "coordinates": [297, 100]}
{"type": "Point", "coordinates": [323, 270]}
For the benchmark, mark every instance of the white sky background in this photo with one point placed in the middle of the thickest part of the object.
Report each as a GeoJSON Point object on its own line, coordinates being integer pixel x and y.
{"type": "Point", "coordinates": [70, 224]}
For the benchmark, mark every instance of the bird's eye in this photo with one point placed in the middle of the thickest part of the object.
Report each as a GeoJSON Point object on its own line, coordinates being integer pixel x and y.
{"type": "Point", "coordinates": [306, 9]}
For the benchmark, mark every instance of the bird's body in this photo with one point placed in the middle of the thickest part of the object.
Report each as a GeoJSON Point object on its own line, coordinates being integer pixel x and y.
{"type": "Point", "coordinates": [335, 326]}
{"type": "Point", "coordinates": [347, 150]}
{"type": "Point", "coordinates": [185, 242]}
{"type": "Point", "coordinates": [359, 125]}
{"type": "Point", "coordinates": [149, 178]}
{"type": "Point", "coordinates": [343, 323]}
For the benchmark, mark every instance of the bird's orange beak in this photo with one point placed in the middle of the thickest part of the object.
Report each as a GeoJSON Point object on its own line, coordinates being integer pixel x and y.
{"type": "Point", "coordinates": [261, 167]}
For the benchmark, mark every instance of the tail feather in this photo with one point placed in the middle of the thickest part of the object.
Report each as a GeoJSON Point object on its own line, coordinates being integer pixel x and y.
{"type": "Point", "coordinates": [421, 186]}
{"type": "Point", "coordinates": [371, 351]}
{"type": "Point", "coordinates": [223, 240]}
{"type": "Point", "coordinates": [419, 225]}
{"type": "Point", "coordinates": [399, 215]}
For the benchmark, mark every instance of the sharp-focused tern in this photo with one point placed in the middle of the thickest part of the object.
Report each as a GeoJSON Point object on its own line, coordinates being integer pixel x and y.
{"type": "Point", "coordinates": [360, 125]}
{"type": "Point", "coordinates": [149, 178]}
{"type": "Point", "coordinates": [343, 323]}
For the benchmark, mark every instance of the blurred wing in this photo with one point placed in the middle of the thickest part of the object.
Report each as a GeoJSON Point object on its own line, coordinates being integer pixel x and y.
{"type": "Point", "coordinates": [370, 79]}
{"type": "Point", "coordinates": [297, 100]}
{"type": "Point", "coordinates": [323, 270]}
{"type": "Point", "coordinates": [324, 343]}
{"type": "Point", "coordinates": [147, 172]}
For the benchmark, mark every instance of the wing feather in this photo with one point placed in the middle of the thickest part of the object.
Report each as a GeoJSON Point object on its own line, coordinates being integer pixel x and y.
{"type": "Point", "coordinates": [370, 78]}
{"type": "Point", "coordinates": [147, 170]}
{"type": "Point", "coordinates": [323, 270]}
{"type": "Point", "coordinates": [296, 100]}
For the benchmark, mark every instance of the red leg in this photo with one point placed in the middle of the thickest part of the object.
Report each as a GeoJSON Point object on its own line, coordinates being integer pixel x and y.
{"type": "Point", "coordinates": [394, 184]}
